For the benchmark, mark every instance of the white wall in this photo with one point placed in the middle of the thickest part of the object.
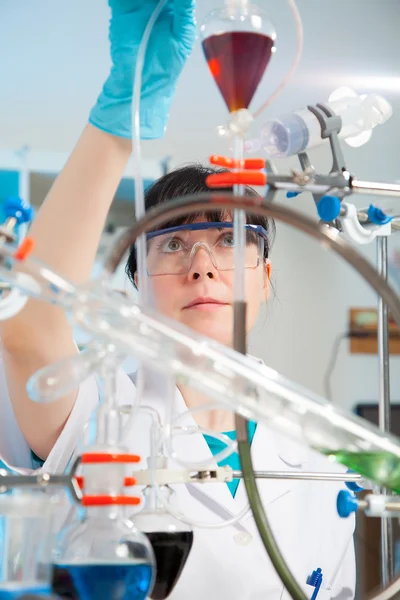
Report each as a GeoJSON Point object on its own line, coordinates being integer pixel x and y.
{"type": "Point", "coordinates": [57, 59]}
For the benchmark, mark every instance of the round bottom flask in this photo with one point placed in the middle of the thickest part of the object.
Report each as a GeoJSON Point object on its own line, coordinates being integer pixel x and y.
{"type": "Point", "coordinates": [171, 540]}
{"type": "Point", "coordinates": [104, 556]}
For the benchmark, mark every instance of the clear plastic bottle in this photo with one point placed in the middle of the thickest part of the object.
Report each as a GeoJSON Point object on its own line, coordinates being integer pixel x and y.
{"type": "Point", "coordinates": [171, 540]}
{"type": "Point", "coordinates": [300, 131]}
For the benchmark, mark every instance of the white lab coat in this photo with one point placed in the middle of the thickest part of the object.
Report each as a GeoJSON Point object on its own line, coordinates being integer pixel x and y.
{"type": "Point", "coordinates": [230, 563]}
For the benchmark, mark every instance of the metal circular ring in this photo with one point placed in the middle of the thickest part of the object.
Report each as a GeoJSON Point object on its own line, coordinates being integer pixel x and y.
{"type": "Point", "coordinates": [258, 206]}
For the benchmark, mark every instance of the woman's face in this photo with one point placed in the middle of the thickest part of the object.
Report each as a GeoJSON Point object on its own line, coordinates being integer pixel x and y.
{"type": "Point", "coordinates": [202, 297]}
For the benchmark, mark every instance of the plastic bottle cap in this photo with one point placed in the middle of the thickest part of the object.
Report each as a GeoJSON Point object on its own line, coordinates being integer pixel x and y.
{"type": "Point", "coordinates": [328, 208]}
{"type": "Point", "coordinates": [379, 109]}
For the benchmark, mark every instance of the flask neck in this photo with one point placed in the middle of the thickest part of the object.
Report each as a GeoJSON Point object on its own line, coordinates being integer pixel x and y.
{"type": "Point", "coordinates": [103, 513]}
{"type": "Point", "coordinates": [153, 501]}
{"type": "Point", "coordinates": [237, 7]}
{"type": "Point", "coordinates": [238, 4]}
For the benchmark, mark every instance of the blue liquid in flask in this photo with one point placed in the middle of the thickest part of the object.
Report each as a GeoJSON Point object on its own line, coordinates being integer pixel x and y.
{"type": "Point", "coordinates": [17, 590]}
{"type": "Point", "coordinates": [96, 581]}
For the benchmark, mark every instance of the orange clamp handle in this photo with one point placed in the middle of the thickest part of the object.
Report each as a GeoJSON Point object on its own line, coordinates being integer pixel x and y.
{"type": "Point", "coordinates": [231, 163]}
{"type": "Point", "coordinates": [110, 501]}
{"type": "Point", "coordinates": [25, 248]}
{"type": "Point", "coordinates": [233, 178]}
{"type": "Point", "coordinates": [106, 457]}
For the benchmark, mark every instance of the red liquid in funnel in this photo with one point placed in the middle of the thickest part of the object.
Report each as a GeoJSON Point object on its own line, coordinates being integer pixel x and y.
{"type": "Point", "coordinates": [237, 61]}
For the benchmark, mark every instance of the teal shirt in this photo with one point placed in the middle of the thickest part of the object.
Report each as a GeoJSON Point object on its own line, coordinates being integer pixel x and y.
{"type": "Point", "coordinates": [233, 461]}
{"type": "Point", "coordinates": [37, 463]}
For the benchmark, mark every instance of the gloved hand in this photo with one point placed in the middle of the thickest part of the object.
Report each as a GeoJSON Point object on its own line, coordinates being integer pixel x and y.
{"type": "Point", "coordinates": [170, 44]}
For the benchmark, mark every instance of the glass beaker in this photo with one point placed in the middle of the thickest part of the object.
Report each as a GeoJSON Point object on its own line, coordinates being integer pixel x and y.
{"type": "Point", "coordinates": [26, 542]}
{"type": "Point", "coordinates": [170, 538]}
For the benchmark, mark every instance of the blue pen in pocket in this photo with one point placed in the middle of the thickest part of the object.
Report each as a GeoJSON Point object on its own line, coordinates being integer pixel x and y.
{"type": "Point", "coordinates": [315, 579]}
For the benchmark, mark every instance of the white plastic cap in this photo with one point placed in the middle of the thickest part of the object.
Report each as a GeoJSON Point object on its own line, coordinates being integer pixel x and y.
{"type": "Point", "coordinates": [376, 111]}
{"type": "Point", "coordinates": [379, 108]}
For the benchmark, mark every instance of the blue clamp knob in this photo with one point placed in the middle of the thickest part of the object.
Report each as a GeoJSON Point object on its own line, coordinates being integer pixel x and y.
{"type": "Point", "coordinates": [346, 503]}
{"type": "Point", "coordinates": [292, 194]}
{"type": "Point", "coordinates": [377, 216]}
{"type": "Point", "coordinates": [328, 208]}
{"type": "Point", "coordinates": [353, 485]}
{"type": "Point", "coordinates": [18, 209]}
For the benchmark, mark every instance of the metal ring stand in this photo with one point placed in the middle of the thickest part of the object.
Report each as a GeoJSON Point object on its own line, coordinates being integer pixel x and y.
{"type": "Point", "coordinates": [206, 203]}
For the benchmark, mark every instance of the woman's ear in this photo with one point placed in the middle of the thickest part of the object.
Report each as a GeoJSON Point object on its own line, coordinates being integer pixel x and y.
{"type": "Point", "coordinates": [136, 279]}
{"type": "Point", "coordinates": [266, 288]}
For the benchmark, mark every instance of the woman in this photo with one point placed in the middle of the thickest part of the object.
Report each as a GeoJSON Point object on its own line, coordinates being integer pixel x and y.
{"type": "Point", "coordinates": [197, 291]}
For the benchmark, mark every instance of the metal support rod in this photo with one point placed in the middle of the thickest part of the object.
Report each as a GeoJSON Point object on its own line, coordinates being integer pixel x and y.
{"type": "Point", "coordinates": [392, 506]}
{"type": "Point", "coordinates": [375, 188]}
{"type": "Point", "coordinates": [337, 183]}
{"type": "Point", "coordinates": [43, 481]}
{"type": "Point", "coordinates": [309, 476]}
{"type": "Point", "coordinates": [387, 559]}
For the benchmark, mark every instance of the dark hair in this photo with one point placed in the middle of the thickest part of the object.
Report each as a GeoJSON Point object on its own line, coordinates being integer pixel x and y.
{"type": "Point", "coordinates": [190, 180]}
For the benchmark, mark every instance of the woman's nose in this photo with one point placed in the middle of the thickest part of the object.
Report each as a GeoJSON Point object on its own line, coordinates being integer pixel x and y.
{"type": "Point", "coordinates": [202, 264]}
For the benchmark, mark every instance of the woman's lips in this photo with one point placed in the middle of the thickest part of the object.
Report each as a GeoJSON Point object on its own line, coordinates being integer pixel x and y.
{"type": "Point", "coordinates": [205, 303]}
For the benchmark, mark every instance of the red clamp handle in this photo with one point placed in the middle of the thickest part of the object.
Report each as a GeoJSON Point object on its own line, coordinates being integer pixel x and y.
{"type": "Point", "coordinates": [231, 163]}
{"type": "Point", "coordinates": [110, 501]}
{"type": "Point", "coordinates": [107, 457]}
{"type": "Point", "coordinates": [228, 179]}
{"type": "Point", "coordinates": [250, 171]}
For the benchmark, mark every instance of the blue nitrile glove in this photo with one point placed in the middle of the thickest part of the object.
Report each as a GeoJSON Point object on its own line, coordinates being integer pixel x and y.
{"type": "Point", "coordinates": [169, 46]}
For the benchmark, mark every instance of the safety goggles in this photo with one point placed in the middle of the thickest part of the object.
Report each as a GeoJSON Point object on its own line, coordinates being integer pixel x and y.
{"type": "Point", "coordinates": [171, 251]}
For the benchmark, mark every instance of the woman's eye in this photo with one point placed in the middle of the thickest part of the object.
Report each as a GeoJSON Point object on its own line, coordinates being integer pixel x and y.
{"type": "Point", "coordinates": [172, 246]}
{"type": "Point", "coordinates": [228, 240]}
